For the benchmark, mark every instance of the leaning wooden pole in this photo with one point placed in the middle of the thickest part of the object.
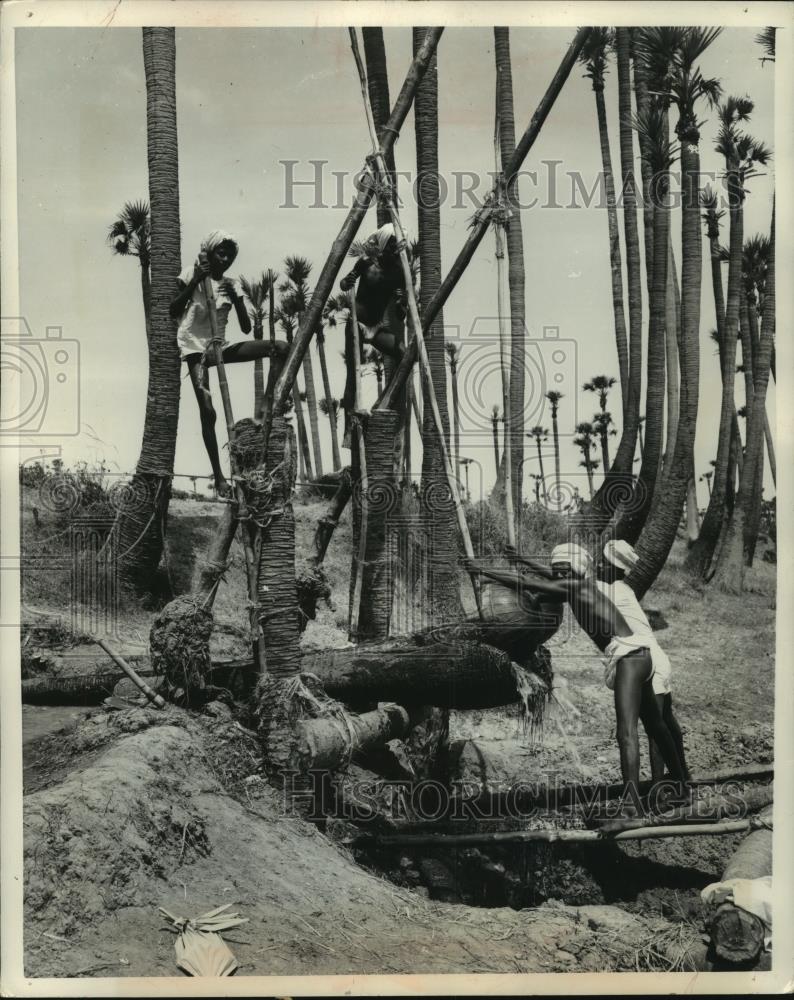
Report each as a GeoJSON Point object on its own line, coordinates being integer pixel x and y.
{"type": "Point", "coordinates": [364, 196]}
{"type": "Point", "coordinates": [483, 218]}
{"type": "Point", "coordinates": [257, 639]}
{"type": "Point", "coordinates": [355, 603]}
{"type": "Point", "coordinates": [413, 314]}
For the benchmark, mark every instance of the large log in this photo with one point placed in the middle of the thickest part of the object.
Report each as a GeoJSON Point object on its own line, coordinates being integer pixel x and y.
{"type": "Point", "coordinates": [738, 936]}
{"type": "Point", "coordinates": [465, 674]}
{"type": "Point", "coordinates": [328, 743]}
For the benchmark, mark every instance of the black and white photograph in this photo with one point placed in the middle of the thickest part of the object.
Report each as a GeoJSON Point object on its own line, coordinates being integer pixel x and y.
{"type": "Point", "coordinates": [391, 582]}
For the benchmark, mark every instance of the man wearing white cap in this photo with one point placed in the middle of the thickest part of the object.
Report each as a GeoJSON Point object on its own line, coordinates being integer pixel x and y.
{"type": "Point", "coordinates": [195, 333]}
{"type": "Point", "coordinates": [574, 582]}
{"type": "Point", "coordinates": [618, 559]}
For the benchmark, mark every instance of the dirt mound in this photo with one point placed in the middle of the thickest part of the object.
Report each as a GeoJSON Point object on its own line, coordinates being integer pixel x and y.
{"type": "Point", "coordinates": [145, 818]}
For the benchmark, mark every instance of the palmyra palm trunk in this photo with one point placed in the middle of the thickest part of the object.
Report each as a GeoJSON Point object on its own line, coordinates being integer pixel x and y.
{"type": "Point", "coordinates": [672, 336]}
{"type": "Point", "coordinates": [507, 447]}
{"type": "Point", "coordinates": [702, 552]}
{"type": "Point", "coordinates": [329, 402]}
{"type": "Point", "coordinates": [141, 524]}
{"type": "Point", "coordinates": [618, 482]}
{"type": "Point", "coordinates": [515, 270]}
{"type": "Point", "coordinates": [632, 522]}
{"type": "Point", "coordinates": [753, 522]}
{"type": "Point", "coordinates": [615, 260]}
{"type": "Point", "coordinates": [660, 530]}
{"type": "Point", "coordinates": [456, 420]}
{"type": "Point", "coordinates": [259, 375]}
{"type": "Point", "coordinates": [556, 436]}
{"type": "Point", "coordinates": [311, 406]}
{"type": "Point", "coordinates": [540, 466]}
{"type": "Point", "coordinates": [729, 574]}
{"type": "Point", "coordinates": [303, 438]}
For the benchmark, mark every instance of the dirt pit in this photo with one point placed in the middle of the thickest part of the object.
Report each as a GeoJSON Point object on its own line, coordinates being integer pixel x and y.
{"type": "Point", "coordinates": [128, 811]}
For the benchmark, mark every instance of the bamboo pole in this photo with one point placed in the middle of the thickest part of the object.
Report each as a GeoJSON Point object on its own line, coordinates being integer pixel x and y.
{"type": "Point", "coordinates": [413, 313]}
{"type": "Point", "coordinates": [139, 682]}
{"type": "Point", "coordinates": [554, 836]}
{"type": "Point", "coordinates": [257, 636]}
{"type": "Point", "coordinates": [364, 196]}
{"type": "Point", "coordinates": [355, 604]}
{"type": "Point", "coordinates": [483, 218]}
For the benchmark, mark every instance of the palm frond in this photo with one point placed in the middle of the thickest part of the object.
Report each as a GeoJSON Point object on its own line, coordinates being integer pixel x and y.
{"type": "Point", "coordinates": [297, 269]}
{"type": "Point", "coordinates": [766, 39]}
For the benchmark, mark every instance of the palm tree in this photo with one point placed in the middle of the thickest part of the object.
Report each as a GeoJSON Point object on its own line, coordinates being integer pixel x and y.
{"type": "Point", "coordinates": [257, 295]}
{"type": "Point", "coordinates": [594, 58]}
{"type": "Point", "coordinates": [653, 126]}
{"type": "Point", "coordinates": [707, 478]}
{"type": "Point", "coordinates": [554, 398]}
{"type": "Point", "coordinates": [602, 423]}
{"type": "Point", "coordinates": [540, 434]}
{"type": "Point", "coordinates": [141, 525]}
{"type": "Point", "coordinates": [584, 442]}
{"type": "Point", "coordinates": [741, 153]}
{"type": "Point", "coordinates": [374, 359]}
{"type": "Point", "coordinates": [515, 266]}
{"type": "Point", "coordinates": [445, 593]}
{"type": "Point", "coordinates": [453, 356]}
{"type": "Point", "coordinates": [466, 462]}
{"type": "Point", "coordinates": [297, 270]}
{"type": "Point", "coordinates": [538, 479]}
{"type": "Point", "coordinates": [766, 39]}
{"type": "Point", "coordinates": [130, 236]}
{"type": "Point", "coordinates": [495, 418]}
{"type": "Point", "coordinates": [287, 317]}
{"type": "Point", "coordinates": [333, 307]}
{"type": "Point", "coordinates": [378, 88]}
{"type": "Point", "coordinates": [729, 573]}
{"type": "Point", "coordinates": [685, 88]}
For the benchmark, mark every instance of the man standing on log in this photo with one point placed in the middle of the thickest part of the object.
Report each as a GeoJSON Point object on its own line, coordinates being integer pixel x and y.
{"type": "Point", "coordinates": [628, 664]}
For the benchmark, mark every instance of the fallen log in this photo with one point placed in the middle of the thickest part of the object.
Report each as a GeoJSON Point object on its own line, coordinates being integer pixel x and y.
{"type": "Point", "coordinates": [737, 935]}
{"type": "Point", "coordinates": [457, 675]}
{"type": "Point", "coordinates": [328, 743]}
{"type": "Point", "coordinates": [554, 836]}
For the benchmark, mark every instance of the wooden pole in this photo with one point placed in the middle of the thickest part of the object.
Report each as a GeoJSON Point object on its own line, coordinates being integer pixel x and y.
{"type": "Point", "coordinates": [364, 196]}
{"type": "Point", "coordinates": [415, 321]}
{"type": "Point", "coordinates": [355, 605]}
{"type": "Point", "coordinates": [152, 695]}
{"type": "Point", "coordinates": [257, 637]}
{"type": "Point", "coordinates": [483, 219]}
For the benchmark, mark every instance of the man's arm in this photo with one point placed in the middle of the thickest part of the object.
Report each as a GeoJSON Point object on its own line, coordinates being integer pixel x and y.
{"type": "Point", "coordinates": [559, 590]}
{"type": "Point", "coordinates": [540, 569]}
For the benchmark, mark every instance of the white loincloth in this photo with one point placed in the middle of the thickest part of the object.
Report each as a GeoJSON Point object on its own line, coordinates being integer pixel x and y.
{"type": "Point", "coordinates": [620, 646]}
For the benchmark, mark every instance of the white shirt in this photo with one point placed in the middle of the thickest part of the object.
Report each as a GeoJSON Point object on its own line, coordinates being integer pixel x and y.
{"type": "Point", "coordinates": [194, 332]}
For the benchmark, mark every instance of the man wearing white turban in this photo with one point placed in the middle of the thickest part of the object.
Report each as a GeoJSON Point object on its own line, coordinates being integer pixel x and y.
{"type": "Point", "coordinates": [195, 334]}
{"type": "Point", "coordinates": [618, 559]}
{"type": "Point", "coordinates": [573, 581]}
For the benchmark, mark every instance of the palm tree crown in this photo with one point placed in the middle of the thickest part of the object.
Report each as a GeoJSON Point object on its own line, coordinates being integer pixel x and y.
{"type": "Point", "coordinates": [129, 235]}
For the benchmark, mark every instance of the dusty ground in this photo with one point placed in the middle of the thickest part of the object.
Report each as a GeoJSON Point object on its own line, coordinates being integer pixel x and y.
{"type": "Point", "coordinates": [125, 812]}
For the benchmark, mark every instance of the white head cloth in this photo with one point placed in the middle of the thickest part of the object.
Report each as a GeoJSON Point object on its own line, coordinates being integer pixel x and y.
{"type": "Point", "coordinates": [580, 559]}
{"type": "Point", "coordinates": [621, 554]}
{"type": "Point", "coordinates": [216, 237]}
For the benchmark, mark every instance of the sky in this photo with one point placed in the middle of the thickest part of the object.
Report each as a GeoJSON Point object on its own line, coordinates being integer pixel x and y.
{"type": "Point", "coordinates": [250, 99]}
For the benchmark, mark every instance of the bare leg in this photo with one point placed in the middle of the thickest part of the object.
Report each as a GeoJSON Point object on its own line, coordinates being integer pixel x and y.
{"type": "Point", "coordinates": [386, 343]}
{"type": "Point", "coordinates": [675, 731]}
{"type": "Point", "coordinates": [657, 730]}
{"type": "Point", "coordinates": [657, 761]}
{"type": "Point", "coordinates": [250, 350]}
{"type": "Point", "coordinates": [631, 675]}
{"type": "Point", "coordinates": [201, 386]}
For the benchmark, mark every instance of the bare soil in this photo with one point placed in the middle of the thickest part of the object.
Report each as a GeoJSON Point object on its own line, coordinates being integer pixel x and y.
{"type": "Point", "coordinates": [128, 811]}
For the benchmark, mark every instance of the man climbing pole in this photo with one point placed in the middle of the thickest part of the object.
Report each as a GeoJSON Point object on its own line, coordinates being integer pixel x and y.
{"type": "Point", "coordinates": [195, 334]}
{"type": "Point", "coordinates": [629, 667]}
{"type": "Point", "coordinates": [378, 272]}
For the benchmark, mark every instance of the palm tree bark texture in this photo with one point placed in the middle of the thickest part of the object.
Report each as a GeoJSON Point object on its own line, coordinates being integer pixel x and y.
{"type": "Point", "coordinates": [687, 86]}
{"type": "Point", "coordinates": [437, 505]}
{"type": "Point", "coordinates": [515, 267]}
{"type": "Point", "coordinates": [141, 525]}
